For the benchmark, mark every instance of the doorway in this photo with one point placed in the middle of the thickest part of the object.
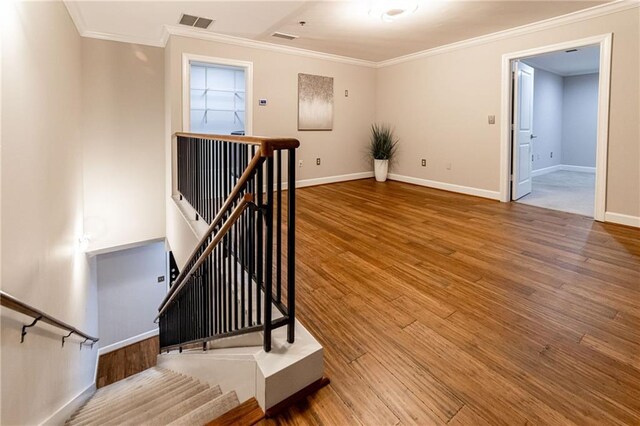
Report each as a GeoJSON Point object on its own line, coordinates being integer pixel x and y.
{"type": "Point", "coordinates": [555, 115]}
{"type": "Point", "coordinates": [555, 140]}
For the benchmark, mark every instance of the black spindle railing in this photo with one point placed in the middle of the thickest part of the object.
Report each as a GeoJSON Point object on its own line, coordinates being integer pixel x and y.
{"type": "Point", "coordinates": [234, 276]}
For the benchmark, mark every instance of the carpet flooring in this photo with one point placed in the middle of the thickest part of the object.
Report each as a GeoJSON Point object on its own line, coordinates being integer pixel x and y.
{"type": "Point", "coordinates": [567, 191]}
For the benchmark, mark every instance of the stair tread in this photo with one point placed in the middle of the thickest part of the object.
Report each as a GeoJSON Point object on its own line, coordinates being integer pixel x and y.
{"type": "Point", "coordinates": [186, 406]}
{"type": "Point", "coordinates": [108, 411]}
{"type": "Point", "coordinates": [155, 397]}
{"type": "Point", "coordinates": [209, 411]}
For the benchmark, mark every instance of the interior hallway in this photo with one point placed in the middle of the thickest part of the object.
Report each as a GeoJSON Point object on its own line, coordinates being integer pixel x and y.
{"type": "Point", "coordinates": [567, 191]}
{"type": "Point", "coordinates": [436, 307]}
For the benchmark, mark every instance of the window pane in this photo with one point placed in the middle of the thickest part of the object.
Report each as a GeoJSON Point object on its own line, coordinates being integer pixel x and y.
{"type": "Point", "coordinates": [198, 99]}
{"type": "Point", "coordinates": [220, 78]}
{"type": "Point", "coordinates": [220, 100]}
{"type": "Point", "coordinates": [198, 80]}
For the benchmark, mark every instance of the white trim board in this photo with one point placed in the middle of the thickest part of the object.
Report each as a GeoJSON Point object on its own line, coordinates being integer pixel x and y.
{"type": "Point", "coordinates": [605, 42]}
{"type": "Point", "coordinates": [468, 190]}
{"type": "Point", "coordinates": [565, 167]}
{"type": "Point", "coordinates": [622, 219]}
{"type": "Point", "coordinates": [62, 414]}
{"type": "Point", "coordinates": [332, 179]}
{"type": "Point", "coordinates": [126, 342]}
{"type": "Point", "coordinates": [168, 30]}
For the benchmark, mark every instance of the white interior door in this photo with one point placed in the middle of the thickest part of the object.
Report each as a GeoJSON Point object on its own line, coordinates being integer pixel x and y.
{"type": "Point", "coordinates": [522, 130]}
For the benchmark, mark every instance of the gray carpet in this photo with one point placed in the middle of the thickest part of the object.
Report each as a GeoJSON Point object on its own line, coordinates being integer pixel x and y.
{"type": "Point", "coordinates": [572, 192]}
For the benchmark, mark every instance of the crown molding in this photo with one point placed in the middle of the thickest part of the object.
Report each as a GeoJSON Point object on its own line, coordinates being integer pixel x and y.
{"type": "Point", "coordinates": [238, 41]}
{"type": "Point", "coordinates": [573, 17]}
{"type": "Point", "coordinates": [173, 30]}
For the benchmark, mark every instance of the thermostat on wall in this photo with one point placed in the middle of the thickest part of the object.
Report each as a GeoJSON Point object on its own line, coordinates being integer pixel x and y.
{"type": "Point", "coordinates": [262, 102]}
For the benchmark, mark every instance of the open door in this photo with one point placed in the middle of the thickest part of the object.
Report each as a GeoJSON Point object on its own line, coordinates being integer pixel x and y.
{"type": "Point", "coordinates": [522, 130]}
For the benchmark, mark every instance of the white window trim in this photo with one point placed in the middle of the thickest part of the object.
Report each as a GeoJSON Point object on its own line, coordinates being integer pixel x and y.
{"type": "Point", "coordinates": [187, 58]}
{"type": "Point", "coordinates": [604, 41]}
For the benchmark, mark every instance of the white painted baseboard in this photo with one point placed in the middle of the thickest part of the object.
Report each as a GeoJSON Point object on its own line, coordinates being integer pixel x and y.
{"type": "Point", "coordinates": [478, 192]}
{"type": "Point", "coordinates": [64, 412]}
{"type": "Point", "coordinates": [546, 170]}
{"type": "Point", "coordinates": [622, 219]}
{"type": "Point", "coordinates": [333, 179]}
{"type": "Point", "coordinates": [581, 169]}
{"type": "Point", "coordinates": [130, 341]}
{"type": "Point", "coordinates": [564, 167]}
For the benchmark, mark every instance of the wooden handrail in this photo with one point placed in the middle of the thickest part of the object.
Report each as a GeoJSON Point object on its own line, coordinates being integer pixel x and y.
{"type": "Point", "coordinates": [12, 303]}
{"type": "Point", "coordinates": [267, 145]}
{"type": "Point", "coordinates": [175, 290]}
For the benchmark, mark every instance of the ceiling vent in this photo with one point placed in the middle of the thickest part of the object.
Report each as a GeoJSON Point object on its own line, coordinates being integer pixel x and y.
{"type": "Point", "coordinates": [195, 21]}
{"type": "Point", "coordinates": [284, 36]}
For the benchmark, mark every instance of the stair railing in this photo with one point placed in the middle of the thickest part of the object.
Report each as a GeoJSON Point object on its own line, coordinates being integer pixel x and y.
{"type": "Point", "coordinates": [236, 273]}
{"type": "Point", "coordinates": [17, 305]}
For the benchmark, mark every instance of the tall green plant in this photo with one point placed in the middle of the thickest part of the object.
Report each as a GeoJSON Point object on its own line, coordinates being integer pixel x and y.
{"type": "Point", "coordinates": [382, 145]}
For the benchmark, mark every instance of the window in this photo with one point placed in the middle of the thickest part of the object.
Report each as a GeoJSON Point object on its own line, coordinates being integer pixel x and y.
{"type": "Point", "coordinates": [217, 99]}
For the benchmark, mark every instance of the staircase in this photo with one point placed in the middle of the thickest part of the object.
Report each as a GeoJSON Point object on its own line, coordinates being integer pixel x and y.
{"type": "Point", "coordinates": [155, 397]}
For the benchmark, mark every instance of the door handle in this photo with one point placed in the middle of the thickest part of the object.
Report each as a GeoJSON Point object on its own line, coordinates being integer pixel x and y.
{"type": "Point", "coordinates": [532, 136]}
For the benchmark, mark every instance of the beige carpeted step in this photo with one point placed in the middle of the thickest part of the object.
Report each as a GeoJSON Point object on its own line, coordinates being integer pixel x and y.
{"type": "Point", "coordinates": [130, 383]}
{"type": "Point", "coordinates": [158, 405]}
{"type": "Point", "coordinates": [154, 397]}
{"type": "Point", "coordinates": [127, 393]}
{"type": "Point", "coordinates": [182, 408]}
{"type": "Point", "coordinates": [209, 411]}
{"type": "Point", "coordinates": [108, 411]}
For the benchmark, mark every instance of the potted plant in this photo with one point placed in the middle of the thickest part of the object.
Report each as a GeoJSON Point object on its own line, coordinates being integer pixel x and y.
{"type": "Point", "coordinates": [382, 148]}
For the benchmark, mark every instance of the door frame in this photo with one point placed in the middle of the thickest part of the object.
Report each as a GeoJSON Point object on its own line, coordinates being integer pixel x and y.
{"type": "Point", "coordinates": [605, 42]}
{"type": "Point", "coordinates": [186, 87]}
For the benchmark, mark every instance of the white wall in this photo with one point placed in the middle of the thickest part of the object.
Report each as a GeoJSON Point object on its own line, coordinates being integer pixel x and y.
{"type": "Point", "coordinates": [580, 119]}
{"type": "Point", "coordinates": [439, 105]}
{"type": "Point", "coordinates": [547, 119]}
{"type": "Point", "coordinates": [129, 292]}
{"type": "Point", "coordinates": [123, 138]}
{"type": "Point", "coordinates": [42, 211]}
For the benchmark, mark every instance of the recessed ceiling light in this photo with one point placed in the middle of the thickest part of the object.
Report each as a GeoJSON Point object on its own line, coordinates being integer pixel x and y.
{"type": "Point", "coordinates": [390, 10]}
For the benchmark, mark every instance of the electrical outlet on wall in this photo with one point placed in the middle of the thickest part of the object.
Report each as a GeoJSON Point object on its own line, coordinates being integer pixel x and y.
{"type": "Point", "coordinates": [424, 162]}
{"type": "Point", "coordinates": [448, 165]}
{"type": "Point", "coordinates": [300, 163]}
{"type": "Point", "coordinates": [551, 155]}
{"type": "Point", "coordinates": [318, 161]}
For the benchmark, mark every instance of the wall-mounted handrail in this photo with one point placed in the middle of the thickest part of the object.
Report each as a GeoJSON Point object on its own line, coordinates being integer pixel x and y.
{"type": "Point", "coordinates": [17, 305]}
{"type": "Point", "coordinates": [267, 145]}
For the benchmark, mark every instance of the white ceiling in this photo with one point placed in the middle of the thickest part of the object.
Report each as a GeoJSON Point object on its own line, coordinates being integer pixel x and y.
{"type": "Point", "coordinates": [336, 27]}
{"type": "Point", "coordinates": [585, 61]}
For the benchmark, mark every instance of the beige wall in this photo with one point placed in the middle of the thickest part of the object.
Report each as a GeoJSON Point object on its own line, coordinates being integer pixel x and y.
{"type": "Point", "coordinates": [275, 77]}
{"type": "Point", "coordinates": [42, 211]}
{"type": "Point", "coordinates": [123, 137]}
{"type": "Point", "coordinates": [439, 107]}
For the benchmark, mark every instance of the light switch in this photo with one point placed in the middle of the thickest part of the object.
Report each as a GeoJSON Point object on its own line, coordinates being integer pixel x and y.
{"type": "Point", "coordinates": [492, 119]}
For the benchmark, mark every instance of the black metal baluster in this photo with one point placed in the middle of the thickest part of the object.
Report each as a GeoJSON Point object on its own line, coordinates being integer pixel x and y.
{"type": "Point", "coordinates": [278, 227]}
{"type": "Point", "coordinates": [268, 264]}
{"type": "Point", "coordinates": [291, 246]}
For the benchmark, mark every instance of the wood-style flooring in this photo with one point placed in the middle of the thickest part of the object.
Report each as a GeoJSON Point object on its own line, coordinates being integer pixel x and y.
{"type": "Point", "coordinates": [438, 308]}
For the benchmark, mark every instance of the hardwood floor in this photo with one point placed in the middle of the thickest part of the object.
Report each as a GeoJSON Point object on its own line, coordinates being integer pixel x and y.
{"type": "Point", "coordinates": [439, 308]}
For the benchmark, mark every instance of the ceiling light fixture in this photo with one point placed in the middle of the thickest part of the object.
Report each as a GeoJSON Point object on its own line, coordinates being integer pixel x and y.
{"type": "Point", "coordinates": [391, 10]}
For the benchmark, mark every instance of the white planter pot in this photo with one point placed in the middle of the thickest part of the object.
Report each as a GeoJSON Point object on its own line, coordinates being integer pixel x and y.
{"type": "Point", "coordinates": [381, 168]}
